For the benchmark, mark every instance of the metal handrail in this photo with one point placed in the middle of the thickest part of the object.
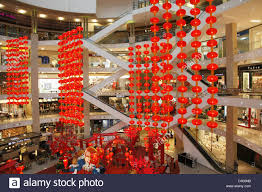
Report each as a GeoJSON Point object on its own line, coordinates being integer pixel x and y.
{"type": "Point", "coordinates": [212, 160]}
{"type": "Point", "coordinates": [85, 90]}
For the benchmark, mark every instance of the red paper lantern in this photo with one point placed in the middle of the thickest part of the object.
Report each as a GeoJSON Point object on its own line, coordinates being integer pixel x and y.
{"type": "Point", "coordinates": [181, 56]}
{"type": "Point", "coordinates": [196, 66]}
{"type": "Point", "coordinates": [212, 67]}
{"type": "Point", "coordinates": [70, 67]}
{"type": "Point", "coordinates": [17, 76]}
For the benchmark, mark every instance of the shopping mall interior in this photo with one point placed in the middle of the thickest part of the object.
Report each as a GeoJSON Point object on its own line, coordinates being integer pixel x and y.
{"type": "Point", "coordinates": [114, 134]}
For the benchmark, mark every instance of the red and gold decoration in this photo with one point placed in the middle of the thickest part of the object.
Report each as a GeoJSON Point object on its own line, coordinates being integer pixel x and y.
{"type": "Point", "coordinates": [166, 85]}
{"type": "Point", "coordinates": [196, 66]}
{"type": "Point", "coordinates": [212, 101]}
{"type": "Point", "coordinates": [139, 105]}
{"type": "Point", "coordinates": [17, 71]}
{"type": "Point", "coordinates": [181, 65]}
{"type": "Point", "coordinates": [212, 90]}
{"type": "Point", "coordinates": [71, 80]}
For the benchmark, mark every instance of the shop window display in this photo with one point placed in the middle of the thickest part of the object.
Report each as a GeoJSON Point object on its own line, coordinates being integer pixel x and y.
{"type": "Point", "coordinates": [12, 111]}
{"type": "Point", "coordinates": [48, 106]}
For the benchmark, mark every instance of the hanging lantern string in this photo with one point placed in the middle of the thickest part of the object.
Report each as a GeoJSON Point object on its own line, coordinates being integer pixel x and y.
{"type": "Point", "coordinates": [17, 71]}
{"type": "Point", "coordinates": [138, 85]}
{"type": "Point", "coordinates": [155, 68]}
{"type": "Point", "coordinates": [131, 90]}
{"type": "Point", "coordinates": [167, 67]}
{"type": "Point", "coordinates": [196, 66]}
{"type": "Point", "coordinates": [146, 85]}
{"type": "Point", "coordinates": [212, 101]}
{"type": "Point", "coordinates": [182, 56]}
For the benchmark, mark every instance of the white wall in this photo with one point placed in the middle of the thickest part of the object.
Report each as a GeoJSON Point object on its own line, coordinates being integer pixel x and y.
{"type": "Point", "coordinates": [112, 8]}
{"type": "Point", "coordinates": [76, 6]}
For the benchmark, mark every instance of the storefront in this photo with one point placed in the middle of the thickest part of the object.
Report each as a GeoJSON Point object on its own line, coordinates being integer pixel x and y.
{"type": "Point", "coordinates": [220, 73]}
{"type": "Point", "coordinates": [17, 146]}
{"type": "Point", "coordinates": [251, 78]}
{"type": "Point", "coordinates": [12, 111]}
{"type": "Point", "coordinates": [48, 106]}
{"type": "Point", "coordinates": [249, 118]}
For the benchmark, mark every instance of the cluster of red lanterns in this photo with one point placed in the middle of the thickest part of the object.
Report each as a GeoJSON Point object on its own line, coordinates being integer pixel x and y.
{"type": "Point", "coordinates": [196, 66]}
{"type": "Point", "coordinates": [64, 144]}
{"type": "Point", "coordinates": [181, 65]}
{"type": "Point", "coordinates": [139, 104]}
{"type": "Point", "coordinates": [17, 71]}
{"type": "Point", "coordinates": [71, 80]}
{"type": "Point", "coordinates": [155, 88]}
{"type": "Point", "coordinates": [160, 107]}
{"type": "Point", "coordinates": [212, 101]}
{"type": "Point", "coordinates": [131, 130]}
{"type": "Point", "coordinates": [166, 85]}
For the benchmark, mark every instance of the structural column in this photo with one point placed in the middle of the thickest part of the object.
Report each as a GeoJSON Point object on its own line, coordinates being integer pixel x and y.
{"type": "Point", "coordinates": [34, 74]}
{"type": "Point", "coordinates": [86, 85]}
{"type": "Point", "coordinates": [232, 83]}
{"type": "Point", "coordinates": [85, 27]}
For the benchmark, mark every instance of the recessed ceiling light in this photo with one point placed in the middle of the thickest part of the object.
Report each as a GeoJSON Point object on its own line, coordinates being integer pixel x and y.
{"type": "Point", "coordinates": [94, 20]}
{"type": "Point", "coordinates": [42, 15]}
{"type": "Point", "coordinates": [22, 11]}
{"type": "Point", "coordinates": [1, 5]}
{"type": "Point", "coordinates": [61, 18]}
{"type": "Point", "coordinates": [255, 21]}
{"type": "Point", "coordinates": [77, 20]}
{"type": "Point", "coordinates": [110, 20]}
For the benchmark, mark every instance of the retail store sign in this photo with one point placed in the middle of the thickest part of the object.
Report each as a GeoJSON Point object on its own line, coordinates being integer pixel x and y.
{"type": "Point", "coordinates": [253, 67]}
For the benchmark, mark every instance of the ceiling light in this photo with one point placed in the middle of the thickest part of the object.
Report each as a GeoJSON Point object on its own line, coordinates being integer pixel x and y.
{"type": "Point", "coordinates": [42, 48]}
{"type": "Point", "coordinates": [1, 5]}
{"type": "Point", "coordinates": [94, 20]}
{"type": "Point", "coordinates": [255, 21]}
{"type": "Point", "coordinates": [22, 11]}
{"type": "Point", "coordinates": [243, 38]}
{"type": "Point", "coordinates": [42, 15]}
{"type": "Point", "coordinates": [77, 20]}
{"type": "Point", "coordinates": [110, 20]}
{"type": "Point", "coordinates": [61, 18]}
{"type": "Point", "coordinates": [190, 5]}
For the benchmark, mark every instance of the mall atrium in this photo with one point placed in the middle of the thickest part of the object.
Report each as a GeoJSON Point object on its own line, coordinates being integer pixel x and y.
{"type": "Point", "coordinates": [131, 86]}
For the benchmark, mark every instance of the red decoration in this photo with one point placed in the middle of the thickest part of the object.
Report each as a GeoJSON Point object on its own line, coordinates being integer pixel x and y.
{"type": "Point", "coordinates": [182, 56]}
{"type": "Point", "coordinates": [196, 67]}
{"type": "Point", "coordinates": [212, 66]}
{"type": "Point", "coordinates": [166, 85]}
{"type": "Point", "coordinates": [131, 130]}
{"type": "Point", "coordinates": [17, 71]}
{"type": "Point", "coordinates": [139, 105]}
{"type": "Point", "coordinates": [70, 67]}
{"type": "Point", "coordinates": [155, 68]}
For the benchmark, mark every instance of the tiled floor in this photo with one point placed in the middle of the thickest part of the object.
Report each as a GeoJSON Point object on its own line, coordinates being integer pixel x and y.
{"type": "Point", "coordinates": [37, 168]}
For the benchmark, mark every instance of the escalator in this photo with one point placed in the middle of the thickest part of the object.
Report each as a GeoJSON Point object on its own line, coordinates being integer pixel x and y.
{"type": "Point", "coordinates": [205, 152]}
{"type": "Point", "coordinates": [89, 96]}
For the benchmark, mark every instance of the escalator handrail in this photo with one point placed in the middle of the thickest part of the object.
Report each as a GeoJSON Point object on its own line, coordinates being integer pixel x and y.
{"type": "Point", "coordinates": [216, 165]}
{"type": "Point", "coordinates": [85, 90]}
